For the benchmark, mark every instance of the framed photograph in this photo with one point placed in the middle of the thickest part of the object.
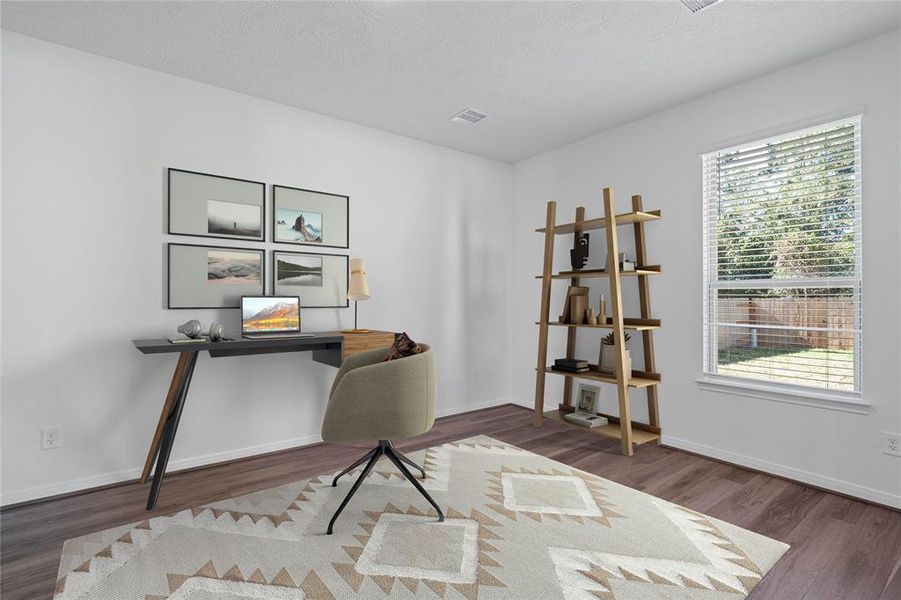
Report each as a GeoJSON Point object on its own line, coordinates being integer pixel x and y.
{"type": "Point", "coordinates": [204, 205]}
{"type": "Point", "coordinates": [587, 398]}
{"type": "Point", "coordinates": [319, 279]}
{"type": "Point", "coordinates": [213, 276]}
{"type": "Point", "coordinates": [310, 218]}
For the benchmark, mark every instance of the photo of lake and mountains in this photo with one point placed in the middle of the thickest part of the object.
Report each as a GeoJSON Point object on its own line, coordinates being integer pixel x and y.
{"type": "Point", "coordinates": [297, 226]}
{"type": "Point", "coordinates": [232, 267]}
{"type": "Point", "coordinates": [234, 218]}
{"type": "Point", "coordinates": [298, 269]}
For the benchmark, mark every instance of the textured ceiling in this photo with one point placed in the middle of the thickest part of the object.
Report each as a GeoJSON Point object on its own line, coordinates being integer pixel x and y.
{"type": "Point", "coordinates": [546, 72]}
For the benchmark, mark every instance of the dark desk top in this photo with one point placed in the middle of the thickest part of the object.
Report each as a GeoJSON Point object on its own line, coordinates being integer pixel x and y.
{"type": "Point", "coordinates": [243, 345]}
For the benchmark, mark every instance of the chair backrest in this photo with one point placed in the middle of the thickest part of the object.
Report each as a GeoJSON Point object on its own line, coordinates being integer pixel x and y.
{"type": "Point", "coordinates": [374, 400]}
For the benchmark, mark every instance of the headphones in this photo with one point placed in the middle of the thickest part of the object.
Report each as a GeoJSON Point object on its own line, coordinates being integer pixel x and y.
{"type": "Point", "coordinates": [193, 329]}
{"type": "Point", "coordinates": [217, 331]}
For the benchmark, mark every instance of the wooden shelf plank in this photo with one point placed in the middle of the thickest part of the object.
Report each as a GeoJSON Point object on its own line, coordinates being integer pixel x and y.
{"type": "Point", "coordinates": [592, 224]}
{"type": "Point", "coordinates": [631, 324]}
{"type": "Point", "coordinates": [594, 273]}
{"type": "Point", "coordinates": [639, 379]}
{"type": "Point", "coordinates": [645, 270]}
{"type": "Point", "coordinates": [639, 436]}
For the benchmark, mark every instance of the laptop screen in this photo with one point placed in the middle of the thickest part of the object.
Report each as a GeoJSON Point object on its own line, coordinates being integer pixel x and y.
{"type": "Point", "coordinates": [269, 314]}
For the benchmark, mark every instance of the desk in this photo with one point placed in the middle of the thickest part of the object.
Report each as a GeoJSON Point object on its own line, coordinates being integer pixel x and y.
{"type": "Point", "coordinates": [327, 348]}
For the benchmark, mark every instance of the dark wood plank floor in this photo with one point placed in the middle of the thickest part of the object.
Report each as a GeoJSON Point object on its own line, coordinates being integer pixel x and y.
{"type": "Point", "coordinates": [841, 548]}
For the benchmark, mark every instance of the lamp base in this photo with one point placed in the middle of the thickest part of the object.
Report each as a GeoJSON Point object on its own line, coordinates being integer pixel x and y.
{"type": "Point", "coordinates": [356, 331]}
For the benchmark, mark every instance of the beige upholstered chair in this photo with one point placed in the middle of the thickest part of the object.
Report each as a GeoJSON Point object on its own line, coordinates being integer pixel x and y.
{"type": "Point", "coordinates": [380, 401]}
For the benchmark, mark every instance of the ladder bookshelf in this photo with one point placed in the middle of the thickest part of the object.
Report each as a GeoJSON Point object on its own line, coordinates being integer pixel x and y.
{"type": "Point", "coordinates": [621, 426]}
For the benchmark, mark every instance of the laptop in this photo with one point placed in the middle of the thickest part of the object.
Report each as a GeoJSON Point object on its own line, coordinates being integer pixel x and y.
{"type": "Point", "coordinates": [270, 317]}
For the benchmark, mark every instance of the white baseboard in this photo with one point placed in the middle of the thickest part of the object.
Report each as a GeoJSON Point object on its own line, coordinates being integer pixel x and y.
{"type": "Point", "coordinates": [520, 402]}
{"type": "Point", "coordinates": [85, 483]}
{"type": "Point", "coordinates": [446, 412]}
{"type": "Point", "coordinates": [820, 481]}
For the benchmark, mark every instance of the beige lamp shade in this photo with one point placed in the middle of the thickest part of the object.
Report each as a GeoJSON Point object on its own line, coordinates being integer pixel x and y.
{"type": "Point", "coordinates": [357, 290]}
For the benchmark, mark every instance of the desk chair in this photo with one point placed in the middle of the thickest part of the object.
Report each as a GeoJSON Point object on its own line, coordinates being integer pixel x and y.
{"type": "Point", "coordinates": [380, 401]}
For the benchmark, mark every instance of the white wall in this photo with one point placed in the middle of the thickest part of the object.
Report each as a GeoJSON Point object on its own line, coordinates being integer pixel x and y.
{"type": "Point", "coordinates": [658, 157]}
{"type": "Point", "coordinates": [87, 141]}
{"type": "Point", "coordinates": [86, 144]}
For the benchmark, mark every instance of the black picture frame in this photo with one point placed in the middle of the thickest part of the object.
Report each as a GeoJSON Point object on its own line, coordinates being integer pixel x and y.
{"type": "Point", "coordinates": [274, 276]}
{"type": "Point", "coordinates": [169, 247]}
{"type": "Point", "coordinates": [274, 218]}
{"type": "Point", "coordinates": [263, 203]}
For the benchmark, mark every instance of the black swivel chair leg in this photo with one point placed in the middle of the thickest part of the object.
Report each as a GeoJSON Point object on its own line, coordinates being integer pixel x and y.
{"type": "Point", "coordinates": [363, 459]}
{"type": "Point", "coordinates": [390, 453]}
{"type": "Point", "coordinates": [408, 461]}
{"type": "Point", "coordinates": [377, 453]}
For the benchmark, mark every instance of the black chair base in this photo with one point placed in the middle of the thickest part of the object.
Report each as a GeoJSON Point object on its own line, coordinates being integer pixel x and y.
{"type": "Point", "coordinates": [385, 448]}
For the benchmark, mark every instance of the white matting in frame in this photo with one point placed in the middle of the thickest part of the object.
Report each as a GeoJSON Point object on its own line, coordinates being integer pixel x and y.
{"type": "Point", "coordinates": [320, 280]}
{"type": "Point", "coordinates": [310, 218]}
{"type": "Point", "coordinates": [213, 276]}
{"type": "Point", "coordinates": [214, 206]}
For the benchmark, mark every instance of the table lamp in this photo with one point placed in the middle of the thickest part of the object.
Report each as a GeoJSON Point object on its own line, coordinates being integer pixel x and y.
{"type": "Point", "coordinates": [357, 290]}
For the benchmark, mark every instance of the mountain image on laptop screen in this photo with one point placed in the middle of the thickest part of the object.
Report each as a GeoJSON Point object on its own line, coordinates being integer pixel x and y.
{"type": "Point", "coordinates": [270, 314]}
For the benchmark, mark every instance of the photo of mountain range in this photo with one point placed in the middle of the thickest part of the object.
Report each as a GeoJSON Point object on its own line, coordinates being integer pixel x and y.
{"type": "Point", "coordinates": [297, 226]}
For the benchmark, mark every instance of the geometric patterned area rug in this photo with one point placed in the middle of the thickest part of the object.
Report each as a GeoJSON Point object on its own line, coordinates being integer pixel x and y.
{"type": "Point", "coordinates": [518, 526]}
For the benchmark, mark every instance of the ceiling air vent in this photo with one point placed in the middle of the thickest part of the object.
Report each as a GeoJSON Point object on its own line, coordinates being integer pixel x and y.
{"type": "Point", "coordinates": [696, 5]}
{"type": "Point", "coordinates": [469, 115]}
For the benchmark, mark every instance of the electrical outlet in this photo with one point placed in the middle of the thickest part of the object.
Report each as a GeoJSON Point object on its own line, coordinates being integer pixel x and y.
{"type": "Point", "coordinates": [891, 443]}
{"type": "Point", "coordinates": [50, 438]}
{"type": "Point", "coordinates": [476, 378]}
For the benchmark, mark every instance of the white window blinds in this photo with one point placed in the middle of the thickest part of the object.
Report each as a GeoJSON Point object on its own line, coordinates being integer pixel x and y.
{"type": "Point", "coordinates": [782, 259]}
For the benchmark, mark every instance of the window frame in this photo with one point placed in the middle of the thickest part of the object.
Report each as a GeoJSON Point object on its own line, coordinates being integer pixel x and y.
{"type": "Point", "coordinates": [845, 400]}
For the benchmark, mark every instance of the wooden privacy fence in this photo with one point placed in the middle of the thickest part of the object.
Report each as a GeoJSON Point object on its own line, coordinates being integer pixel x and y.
{"type": "Point", "coordinates": [786, 323]}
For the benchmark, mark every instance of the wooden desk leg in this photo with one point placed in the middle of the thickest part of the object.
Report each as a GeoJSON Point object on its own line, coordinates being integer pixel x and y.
{"type": "Point", "coordinates": [174, 387]}
{"type": "Point", "coordinates": [169, 428]}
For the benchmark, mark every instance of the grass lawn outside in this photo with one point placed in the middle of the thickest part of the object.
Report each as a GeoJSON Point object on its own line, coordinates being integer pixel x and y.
{"type": "Point", "coordinates": [814, 367]}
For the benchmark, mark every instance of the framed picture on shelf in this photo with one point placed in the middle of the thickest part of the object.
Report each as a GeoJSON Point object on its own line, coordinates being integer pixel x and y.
{"type": "Point", "coordinates": [310, 218]}
{"type": "Point", "coordinates": [213, 276]}
{"type": "Point", "coordinates": [319, 279]}
{"type": "Point", "coordinates": [587, 398]}
{"type": "Point", "coordinates": [214, 206]}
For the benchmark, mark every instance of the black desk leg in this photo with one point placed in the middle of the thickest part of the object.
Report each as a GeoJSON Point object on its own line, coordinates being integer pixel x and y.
{"type": "Point", "coordinates": [171, 396]}
{"type": "Point", "coordinates": [168, 438]}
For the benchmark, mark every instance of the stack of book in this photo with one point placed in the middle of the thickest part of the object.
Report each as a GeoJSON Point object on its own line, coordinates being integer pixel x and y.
{"type": "Point", "coordinates": [571, 365]}
{"type": "Point", "coordinates": [586, 419]}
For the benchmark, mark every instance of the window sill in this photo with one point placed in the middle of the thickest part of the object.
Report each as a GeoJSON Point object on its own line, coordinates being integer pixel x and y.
{"type": "Point", "coordinates": [842, 401]}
